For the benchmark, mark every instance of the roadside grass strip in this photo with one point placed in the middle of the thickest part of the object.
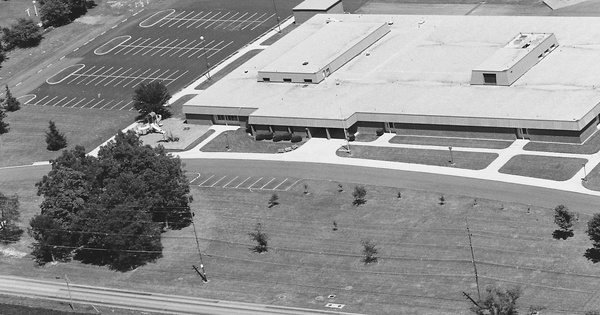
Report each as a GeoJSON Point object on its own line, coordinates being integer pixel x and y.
{"type": "Point", "coordinates": [453, 142]}
{"type": "Point", "coordinates": [466, 160]}
{"type": "Point", "coordinates": [545, 167]}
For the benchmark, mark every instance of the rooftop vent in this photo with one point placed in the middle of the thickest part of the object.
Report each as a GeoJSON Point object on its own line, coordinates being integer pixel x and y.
{"type": "Point", "coordinates": [513, 60]}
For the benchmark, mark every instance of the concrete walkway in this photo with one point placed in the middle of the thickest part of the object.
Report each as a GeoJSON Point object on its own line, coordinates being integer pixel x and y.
{"type": "Point", "coordinates": [324, 151]}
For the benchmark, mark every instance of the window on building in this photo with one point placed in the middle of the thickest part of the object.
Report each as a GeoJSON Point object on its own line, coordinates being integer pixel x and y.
{"type": "Point", "coordinates": [287, 80]}
{"type": "Point", "coordinates": [228, 118]}
{"type": "Point", "coordinates": [308, 80]}
{"type": "Point", "coordinates": [266, 79]}
{"type": "Point", "coordinates": [489, 78]}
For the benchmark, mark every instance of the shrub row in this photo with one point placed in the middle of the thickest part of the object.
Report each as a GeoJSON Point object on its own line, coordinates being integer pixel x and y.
{"type": "Point", "coordinates": [379, 132]}
{"type": "Point", "coordinates": [278, 137]}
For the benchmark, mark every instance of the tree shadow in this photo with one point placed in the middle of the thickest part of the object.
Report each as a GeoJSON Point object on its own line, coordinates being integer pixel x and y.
{"type": "Point", "coordinates": [592, 254]}
{"type": "Point", "coordinates": [10, 234]}
{"type": "Point", "coordinates": [359, 201]}
{"type": "Point", "coordinates": [562, 234]}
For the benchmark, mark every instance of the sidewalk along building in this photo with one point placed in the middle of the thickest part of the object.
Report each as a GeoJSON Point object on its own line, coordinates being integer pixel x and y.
{"type": "Point", "coordinates": [493, 77]}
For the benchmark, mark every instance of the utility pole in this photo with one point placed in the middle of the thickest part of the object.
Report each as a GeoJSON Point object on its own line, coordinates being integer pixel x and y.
{"type": "Point", "coordinates": [473, 259]}
{"type": "Point", "coordinates": [203, 273]}
{"type": "Point", "coordinates": [69, 290]}
{"type": "Point", "coordinates": [277, 16]}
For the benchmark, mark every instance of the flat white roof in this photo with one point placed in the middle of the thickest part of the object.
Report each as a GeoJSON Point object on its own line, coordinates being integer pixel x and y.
{"type": "Point", "coordinates": [316, 5]}
{"type": "Point", "coordinates": [507, 56]}
{"type": "Point", "coordinates": [420, 72]}
{"type": "Point", "coordinates": [321, 47]}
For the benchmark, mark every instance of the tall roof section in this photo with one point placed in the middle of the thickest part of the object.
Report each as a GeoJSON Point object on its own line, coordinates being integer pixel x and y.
{"type": "Point", "coordinates": [323, 52]}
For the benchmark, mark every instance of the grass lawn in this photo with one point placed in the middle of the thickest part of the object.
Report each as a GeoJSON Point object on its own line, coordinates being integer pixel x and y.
{"type": "Point", "coordinates": [545, 167]}
{"type": "Point", "coordinates": [591, 146]}
{"type": "Point", "coordinates": [240, 141]}
{"type": "Point", "coordinates": [454, 142]}
{"type": "Point", "coordinates": [593, 179]}
{"type": "Point", "coordinates": [25, 143]}
{"type": "Point", "coordinates": [424, 257]}
{"type": "Point", "coordinates": [468, 160]}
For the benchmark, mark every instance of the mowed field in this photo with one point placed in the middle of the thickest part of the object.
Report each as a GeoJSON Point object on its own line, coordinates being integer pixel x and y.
{"type": "Point", "coordinates": [425, 260]}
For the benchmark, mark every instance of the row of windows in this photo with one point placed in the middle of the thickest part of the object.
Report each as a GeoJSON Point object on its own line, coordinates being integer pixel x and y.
{"type": "Point", "coordinates": [287, 80]}
{"type": "Point", "coordinates": [228, 117]}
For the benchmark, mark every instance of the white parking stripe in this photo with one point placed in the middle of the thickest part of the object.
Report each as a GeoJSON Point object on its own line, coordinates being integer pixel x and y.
{"type": "Point", "coordinates": [243, 182]}
{"type": "Point", "coordinates": [230, 181]}
{"type": "Point", "coordinates": [85, 76]}
{"type": "Point", "coordinates": [253, 21]}
{"type": "Point", "coordinates": [110, 75]}
{"type": "Point", "coordinates": [117, 104]}
{"type": "Point", "coordinates": [98, 76]}
{"type": "Point", "coordinates": [166, 46]}
{"type": "Point", "coordinates": [117, 76]}
{"type": "Point", "coordinates": [158, 45]}
{"type": "Point", "coordinates": [124, 106]}
{"type": "Point", "coordinates": [263, 21]}
{"type": "Point", "coordinates": [254, 183]}
{"type": "Point", "coordinates": [211, 176]}
{"type": "Point", "coordinates": [40, 100]}
{"type": "Point", "coordinates": [222, 18]}
{"type": "Point", "coordinates": [106, 104]}
{"type": "Point", "coordinates": [173, 80]}
{"type": "Point", "coordinates": [208, 20]}
{"type": "Point", "coordinates": [182, 49]}
{"type": "Point", "coordinates": [67, 103]}
{"type": "Point", "coordinates": [125, 77]}
{"type": "Point", "coordinates": [184, 19]}
{"type": "Point", "coordinates": [280, 184]}
{"type": "Point", "coordinates": [83, 99]}
{"type": "Point", "coordinates": [100, 101]}
{"type": "Point", "coordinates": [294, 184]}
{"type": "Point", "coordinates": [267, 183]}
{"type": "Point", "coordinates": [227, 20]}
{"type": "Point", "coordinates": [232, 22]}
{"type": "Point", "coordinates": [220, 49]}
{"type": "Point", "coordinates": [146, 46]}
{"type": "Point", "coordinates": [52, 99]}
{"type": "Point", "coordinates": [199, 19]}
{"type": "Point", "coordinates": [135, 78]}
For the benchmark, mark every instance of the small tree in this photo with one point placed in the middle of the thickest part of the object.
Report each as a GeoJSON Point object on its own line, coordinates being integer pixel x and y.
{"type": "Point", "coordinates": [10, 103]}
{"type": "Point", "coordinates": [498, 301]}
{"type": "Point", "coordinates": [261, 239]}
{"type": "Point", "coordinates": [55, 139]}
{"type": "Point", "coordinates": [151, 97]}
{"type": "Point", "coordinates": [273, 201]}
{"type": "Point", "coordinates": [399, 196]}
{"type": "Point", "coordinates": [442, 200]}
{"type": "Point", "coordinates": [564, 219]}
{"type": "Point", "coordinates": [340, 187]}
{"type": "Point", "coordinates": [24, 33]}
{"type": "Point", "coordinates": [9, 215]}
{"type": "Point", "coordinates": [370, 252]}
{"type": "Point", "coordinates": [4, 126]}
{"type": "Point", "coordinates": [359, 195]}
{"type": "Point", "coordinates": [593, 229]}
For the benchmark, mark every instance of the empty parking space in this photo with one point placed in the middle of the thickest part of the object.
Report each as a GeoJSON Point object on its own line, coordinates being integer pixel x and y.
{"type": "Point", "coordinates": [245, 182]}
{"type": "Point", "coordinates": [175, 46]}
{"type": "Point", "coordinates": [163, 47]}
{"type": "Point", "coordinates": [80, 102]}
{"type": "Point", "coordinates": [224, 20]}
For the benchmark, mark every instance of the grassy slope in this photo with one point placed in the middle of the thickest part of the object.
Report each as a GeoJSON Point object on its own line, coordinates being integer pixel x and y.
{"type": "Point", "coordinates": [425, 259]}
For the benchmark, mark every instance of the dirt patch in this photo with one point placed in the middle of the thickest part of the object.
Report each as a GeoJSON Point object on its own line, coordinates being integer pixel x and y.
{"type": "Point", "coordinates": [175, 128]}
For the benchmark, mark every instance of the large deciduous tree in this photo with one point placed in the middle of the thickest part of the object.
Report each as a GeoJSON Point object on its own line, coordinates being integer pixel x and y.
{"type": "Point", "coordinates": [151, 97]}
{"type": "Point", "coordinates": [23, 33]}
{"type": "Point", "coordinates": [10, 232]}
{"type": "Point", "coordinates": [55, 12]}
{"type": "Point", "coordinates": [114, 206]}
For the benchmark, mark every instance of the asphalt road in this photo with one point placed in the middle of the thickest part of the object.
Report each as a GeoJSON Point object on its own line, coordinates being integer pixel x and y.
{"type": "Point", "coordinates": [144, 301]}
{"type": "Point", "coordinates": [477, 188]}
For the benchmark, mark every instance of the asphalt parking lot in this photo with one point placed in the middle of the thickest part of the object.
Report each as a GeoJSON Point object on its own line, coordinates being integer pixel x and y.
{"type": "Point", "coordinates": [174, 45]}
{"type": "Point", "coordinates": [244, 182]}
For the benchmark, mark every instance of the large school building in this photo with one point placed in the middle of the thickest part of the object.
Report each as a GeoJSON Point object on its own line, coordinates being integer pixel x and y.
{"type": "Point", "coordinates": [496, 77]}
